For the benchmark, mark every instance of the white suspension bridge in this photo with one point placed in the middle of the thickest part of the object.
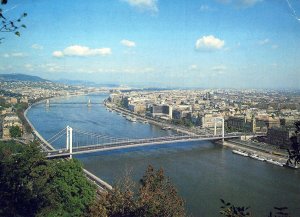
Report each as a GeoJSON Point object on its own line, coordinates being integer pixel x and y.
{"type": "Point", "coordinates": [81, 142]}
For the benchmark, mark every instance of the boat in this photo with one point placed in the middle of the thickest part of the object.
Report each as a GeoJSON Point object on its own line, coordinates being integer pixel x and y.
{"type": "Point", "coordinates": [256, 157]}
{"type": "Point", "coordinates": [166, 128]}
{"type": "Point", "coordinates": [239, 152]}
{"type": "Point", "coordinates": [274, 162]}
{"type": "Point", "coordinates": [132, 119]}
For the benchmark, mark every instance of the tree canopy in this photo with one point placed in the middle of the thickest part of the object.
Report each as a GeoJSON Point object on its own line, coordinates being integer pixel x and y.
{"type": "Point", "coordinates": [31, 185]}
{"type": "Point", "coordinates": [155, 196]}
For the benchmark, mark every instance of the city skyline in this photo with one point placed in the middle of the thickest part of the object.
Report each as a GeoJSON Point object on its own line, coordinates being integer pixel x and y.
{"type": "Point", "coordinates": [217, 44]}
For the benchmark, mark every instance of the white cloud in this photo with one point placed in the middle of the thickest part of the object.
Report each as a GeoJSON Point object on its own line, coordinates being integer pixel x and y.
{"type": "Point", "coordinates": [264, 41]}
{"type": "Point", "coordinates": [206, 8]}
{"type": "Point", "coordinates": [193, 67]}
{"type": "Point", "coordinates": [58, 54]}
{"type": "Point", "coordinates": [220, 69]}
{"type": "Point", "coordinates": [37, 47]}
{"type": "Point", "coordinates": [241, 3]}
{"type": "Point", "coordinates": [150, 5]}
{"type": "Point", "coordinates": [209, 43]}
{"type": "Point", "coordinates": [18, 54]}
{"type": "Point", "coordinates": [82, 51]}
{"type": "Point", "coordinates": [128, 43]}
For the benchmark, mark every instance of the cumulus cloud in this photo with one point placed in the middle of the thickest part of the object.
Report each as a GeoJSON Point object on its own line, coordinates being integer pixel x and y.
{"type": "Point", "coordinates": [37, 47]}
{"type": "Point", "coordinates": [150, 5]}
{"type": "Point", "coordinates": [209, 43]}
{"type": "Point", "coordinates": [128, 43]}
{"type": "Point", "coordinates": [82, 51]}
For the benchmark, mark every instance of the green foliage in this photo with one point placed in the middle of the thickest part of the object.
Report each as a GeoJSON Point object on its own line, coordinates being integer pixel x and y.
{"type": "Point", "coordinates": [10, 25]}
{"type": "Point", "coordinates": [229, 210]}
{"type": "Point", "coordinates": [15, 131]}
{"type": "Point", "coordinates": [73, 193]}
{"type": "Point", "coordinates": [294, 153]}
{"type": "Point", "coordinates": [31, 185]}
{"type": "Point", "coordinates": [23, 178]}
{"type": "Point", "coordinates": [280, 212]}
{"type": "Point", "coordinates": [183, 122]}
{"type": "Point", "coordinates": [156, 196]}
{"type": "Point", "coordinates": [9, 147]}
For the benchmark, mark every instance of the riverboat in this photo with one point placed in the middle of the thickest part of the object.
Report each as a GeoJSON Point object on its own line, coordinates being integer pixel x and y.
{"type": "Point", "coordinates": [239, 152]}
{"type": "Point", "coordinates": [256, 157]}
{"type": "Point", "coordinates": [274, 162]}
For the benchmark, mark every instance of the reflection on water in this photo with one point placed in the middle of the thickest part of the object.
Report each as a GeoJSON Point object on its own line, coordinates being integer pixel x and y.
{"type": "Point", "coordinates": [202, 171]}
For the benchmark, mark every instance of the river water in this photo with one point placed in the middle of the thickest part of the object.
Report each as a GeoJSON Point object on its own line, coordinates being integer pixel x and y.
{"type": "Point", "coordinates": [203, 172]}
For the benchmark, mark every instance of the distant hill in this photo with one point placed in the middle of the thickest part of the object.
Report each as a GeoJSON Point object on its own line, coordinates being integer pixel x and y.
{"type": "Point", "coordinates": [20, 77]}
{"type": "Point", "coordinates": [84, 83]}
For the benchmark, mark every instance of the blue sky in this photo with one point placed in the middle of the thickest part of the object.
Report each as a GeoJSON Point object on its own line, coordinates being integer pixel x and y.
{"type": "Point", "coordinates": [166, 43]}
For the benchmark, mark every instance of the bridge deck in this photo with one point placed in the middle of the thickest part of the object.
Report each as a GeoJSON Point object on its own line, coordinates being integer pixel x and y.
{"type": "Point", "coordinates": [133, 143]}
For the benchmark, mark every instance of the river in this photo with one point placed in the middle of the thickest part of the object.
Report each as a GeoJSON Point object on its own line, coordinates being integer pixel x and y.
{"type": "Point", "coordinates": [203, 172]}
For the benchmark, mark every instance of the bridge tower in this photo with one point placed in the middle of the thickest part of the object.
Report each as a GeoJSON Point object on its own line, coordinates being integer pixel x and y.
{"type": "Point", "coordinates": [69, 142]}
{"type": "Point", "coordinates": [47, 103]}
{"type": "Point", "coordinates": [216, 120]}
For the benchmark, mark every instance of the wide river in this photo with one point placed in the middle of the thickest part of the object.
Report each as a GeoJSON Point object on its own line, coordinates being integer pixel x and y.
{"type": "Point", "coordinates": [203, 172]}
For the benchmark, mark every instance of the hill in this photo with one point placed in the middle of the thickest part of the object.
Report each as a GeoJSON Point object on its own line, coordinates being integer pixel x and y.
{"type": "Point", "coordinates": [20, 77]}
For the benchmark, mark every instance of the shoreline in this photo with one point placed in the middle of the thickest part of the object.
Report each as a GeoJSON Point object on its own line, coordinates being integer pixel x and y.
{"type": "Point", "coordinates": [101, 184]}
{"type": "Point", "coordinates": [148, 119]}
{"type": "Point", "coordinates": [268, 157]}
{"type": "Point", "coordinates": [266, 153]}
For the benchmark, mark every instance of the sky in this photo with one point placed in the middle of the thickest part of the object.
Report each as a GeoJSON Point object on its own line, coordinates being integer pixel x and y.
{"type": "Point", "coordinates": [158, 43]}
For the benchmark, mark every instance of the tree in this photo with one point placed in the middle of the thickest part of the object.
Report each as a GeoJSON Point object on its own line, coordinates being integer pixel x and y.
{"type": "Point", "coordinates": [294, 153]}
{"type": "Point", "coordinates": [158, 197]}
{"type": "Point", "coordinates": [230, 210]}
{"type": "Point", "coordinates": [72, 193]}
{"type": "Point", "coordinates": [31, 185]}
{"type": "Point", "coordinates": [23, 181]}
{"type": "Point", "coordinates": [10, 25]}
{"type": "Point", "coordinates": [15, 131]}
{"type": "Point", "coordinates": [155, 196]}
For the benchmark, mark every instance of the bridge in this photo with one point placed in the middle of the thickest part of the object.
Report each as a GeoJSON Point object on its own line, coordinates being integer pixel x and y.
{"type": "Point", "coordinates": [80, 142]}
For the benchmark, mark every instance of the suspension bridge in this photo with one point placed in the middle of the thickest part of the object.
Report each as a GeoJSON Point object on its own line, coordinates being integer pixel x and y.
{"type": "Point", "coordinates": [81, 142]}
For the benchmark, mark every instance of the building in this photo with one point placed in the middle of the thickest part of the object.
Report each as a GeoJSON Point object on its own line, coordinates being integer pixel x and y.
{"type": "Point", "coordinates": [137, 108]}
{"type": "Point", "coordinates": [279, 136]}
{"type": "Point", "coordinates": [208, 120]}
{"type": "Point", "coordinates": [162, 111]}
{"type": "Point", "coordinates": [8, 122]}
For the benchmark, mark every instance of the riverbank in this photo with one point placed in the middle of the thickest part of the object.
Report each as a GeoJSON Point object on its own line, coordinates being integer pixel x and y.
{"type": "Point", "coordinates": [149, 120]}
{"type": "Point", "coordinates": [102, 185]}
{"type": "Point", "coordinates": [256, 153]}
